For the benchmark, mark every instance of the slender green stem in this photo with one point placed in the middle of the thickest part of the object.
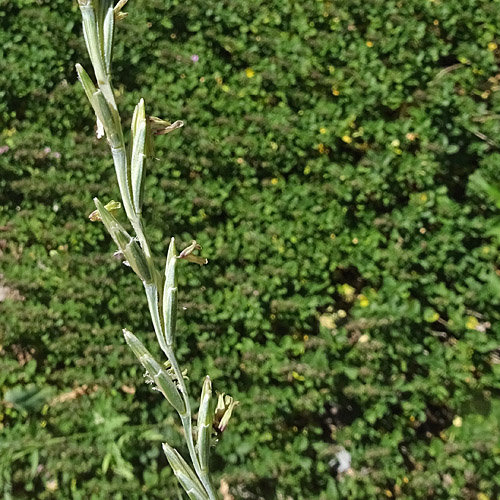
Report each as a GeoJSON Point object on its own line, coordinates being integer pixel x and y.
{"type": "Point", "coordinates": [188, 426]}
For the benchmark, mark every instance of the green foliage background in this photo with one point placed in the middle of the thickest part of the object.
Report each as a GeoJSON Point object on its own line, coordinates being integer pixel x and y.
{"type": "Point", "coordinates": [332, 166]}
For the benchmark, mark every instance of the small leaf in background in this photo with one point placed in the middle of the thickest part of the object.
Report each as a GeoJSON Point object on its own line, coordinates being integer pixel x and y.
{"type": "Point", "coordinates": [28, 398]}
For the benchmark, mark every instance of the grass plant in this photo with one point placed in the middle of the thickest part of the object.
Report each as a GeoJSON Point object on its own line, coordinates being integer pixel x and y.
{"type": "Point", "coordinates": [99, 21]}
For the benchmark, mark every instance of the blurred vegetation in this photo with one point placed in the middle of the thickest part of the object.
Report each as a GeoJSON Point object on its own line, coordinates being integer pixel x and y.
{"type": "Point", "coordinates": [340, 166]}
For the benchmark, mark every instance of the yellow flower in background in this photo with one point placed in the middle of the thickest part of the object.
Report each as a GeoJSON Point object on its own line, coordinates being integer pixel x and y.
{"type": "Point", "coordinates": [250, 73]}
{"type": "Point", "coordinates": [363, 301]}
{"type": "Point", "coordinates": [347, 139]}
{"type": "Point", "coordinates": [369, 43]}
{"type": "Point", "coordinates": [322, 130]}
{"type": "Point", "coordinates": [492, 46]}
{"type": "Point", "coordinates": [298, 377]}
{"type": "Point", "coordinates": [274, 181]}
{"type": "Point", "coordinates": [471, 323]}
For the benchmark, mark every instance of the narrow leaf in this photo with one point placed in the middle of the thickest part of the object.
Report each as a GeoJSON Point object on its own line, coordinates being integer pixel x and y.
{"type": "Point", "coordinates": [170, 278]}
{"type": "Point", "coordinates": [170, 313]}
{"type": "Point", "coordinates": [137, 170]}
{"type": "Point", "coordinates": [170, 295]}
{"type": "Point", "coordinates": [137, 260]}
{"type": "Point", "coordinates": [131, 250]}
{"type": "Point", "coordinates": [86, 81]}
{"type": "Point", "coordinates": [152, 296]}
{"type": "Point", "coordinates": [90, 32]}
{"type": "Point", "coordinates": [115, 229]}
{"type": "Point", "coordinates": [106, 116]}
{"type": "Point", "coordinates": [184, 473]}
{"type": "Point", "coordinates": [157, 373]}
{"type": "Point", "coordinates": [108, 29]}
{"type": "Point", "coordinates": [205, 421]}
